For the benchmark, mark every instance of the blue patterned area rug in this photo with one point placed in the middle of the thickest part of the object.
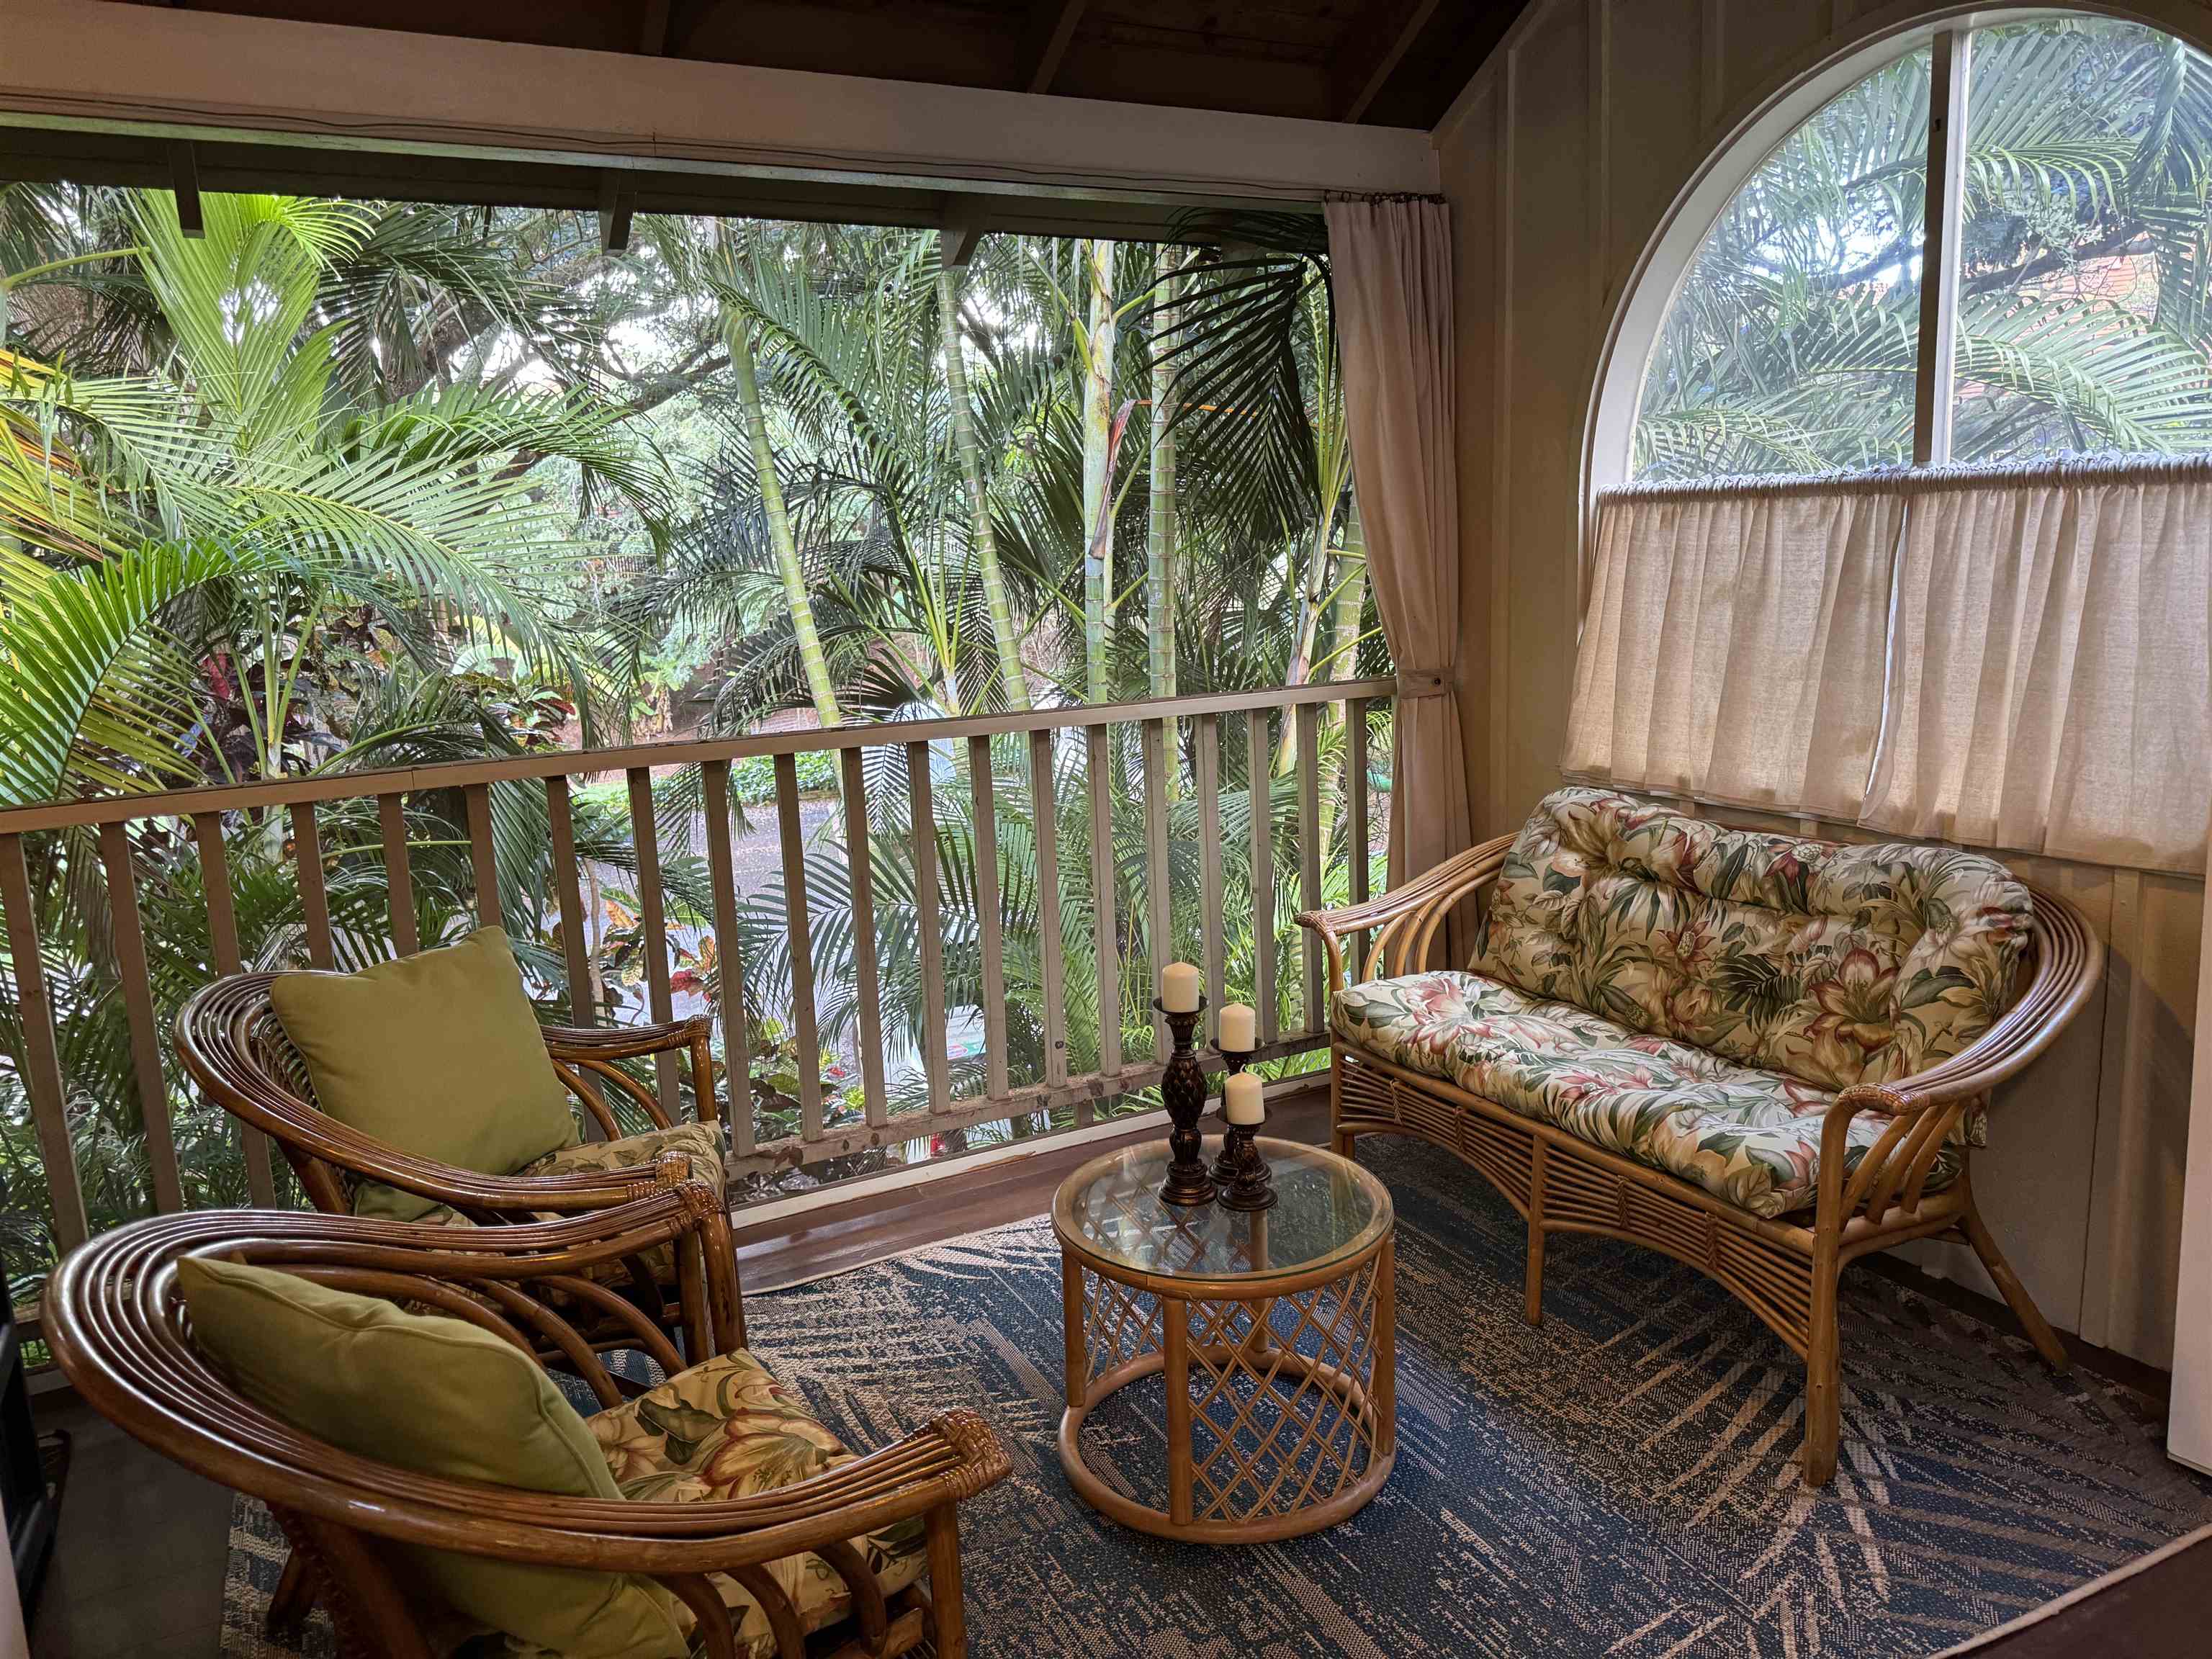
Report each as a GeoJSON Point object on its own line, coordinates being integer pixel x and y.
{"type": "Point", "coordinates": [1618, 1482]}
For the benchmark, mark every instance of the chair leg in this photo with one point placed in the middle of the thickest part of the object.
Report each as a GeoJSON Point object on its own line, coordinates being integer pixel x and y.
{"type": "Point", "coordinates": [1824, 1405]}
{"type": "Point", "coordinates": [948, 1615]}
{"type": "Point", "coordinates": [294, 1601]}
{"type": "Point", "coordinates": [1338, 1142]}
{"type": "Point", "coordinates": [1533, 1313]}
{"type": "Point", "coordinates": [2015, 1293]}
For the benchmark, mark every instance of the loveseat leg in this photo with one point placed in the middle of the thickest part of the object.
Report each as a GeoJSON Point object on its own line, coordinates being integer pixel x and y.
{"type": "Point", "coordinates": [1824, 1405]}
{"type": "Point", "coordinates": [948, 1610]}
{"type": "Point", "coordinates": [1533, 1313]}
{"type": "Point", "coordinates": [2015, 1293]}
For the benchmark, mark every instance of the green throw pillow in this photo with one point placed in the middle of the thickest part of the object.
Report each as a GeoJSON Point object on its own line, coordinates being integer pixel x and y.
{"type": "Point", "coordinates": [441, 1397]}
{"type": "Point", "coordinates": [438, 1054]}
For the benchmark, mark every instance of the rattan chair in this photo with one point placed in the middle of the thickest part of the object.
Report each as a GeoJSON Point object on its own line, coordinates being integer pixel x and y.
{"type": "Point", "coordinates": [120, 1332]}
{"type": "Point", "coordinates": [233, 1045]}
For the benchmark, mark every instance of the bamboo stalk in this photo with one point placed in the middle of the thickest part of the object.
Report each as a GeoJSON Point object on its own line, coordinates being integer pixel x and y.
{"type": "Point", "coordinates": [42, 1064]}
{"type": "Point", "coordinates": [805, 1033]}
{"type": "Point", "coordinates": [929, 927]}
{"type": "Point", "coordinates": [653, 925]}
{"type": "Point", "coordinates": [139, 1003]}
{"type": "Point", "coordinates": [222, 931]}
{"type": "Point", "coordinates": [860, 859]}
{"type": "Point", "coordinates": [1308, 720]}
{"type": "Point", "coordinates": [721, 873]}
{"type": "Point", "coordinates": [1356, 830]}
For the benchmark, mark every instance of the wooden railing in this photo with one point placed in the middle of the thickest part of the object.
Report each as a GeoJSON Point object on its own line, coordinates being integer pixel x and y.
{"type": "Point", "coordinates": [1177, 746]}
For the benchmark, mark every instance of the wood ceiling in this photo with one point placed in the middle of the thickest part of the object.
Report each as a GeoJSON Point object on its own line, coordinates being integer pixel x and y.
{"type": "Point", "coordinates": [1385, 63]}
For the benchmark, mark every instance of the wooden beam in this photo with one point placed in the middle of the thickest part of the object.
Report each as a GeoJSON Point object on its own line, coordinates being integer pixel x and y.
{"type": "Point", "coordinates": [618, 201]}
{"type": "Point", "coordinates": [1369, 72]}
{"type": "Point", "coordinates": [185, 180]}
{"type": "Point", "coordinates": [1051, 27]}
{"type": "Point", "coordinates": [652, 29]}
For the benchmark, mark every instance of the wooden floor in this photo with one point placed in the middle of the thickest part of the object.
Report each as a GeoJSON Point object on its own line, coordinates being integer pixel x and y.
{"type": "Point", "coordinates": [138, 1568]}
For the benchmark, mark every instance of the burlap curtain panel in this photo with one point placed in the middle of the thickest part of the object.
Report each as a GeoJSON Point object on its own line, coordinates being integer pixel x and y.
{"type": "Point", "coordinates": [1390, 262]}
{"type": "Point", "coordinates": [1733, 651]}
{"type": "Point", "coordinates": [2011, 657]}
{"type": "Point", "coordinates": [2052, 689]}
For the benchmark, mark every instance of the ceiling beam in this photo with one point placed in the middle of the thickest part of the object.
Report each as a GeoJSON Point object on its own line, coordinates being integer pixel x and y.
{"type": "Point", "coordinates": [1393, 40]}
{"type": "Point", "coordinates": [652, 28]}
{"type": "Point", "coordinates": [1051, 27]}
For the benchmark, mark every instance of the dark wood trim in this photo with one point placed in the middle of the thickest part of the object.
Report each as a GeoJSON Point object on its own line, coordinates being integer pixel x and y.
{"type": "Point", "coordinates": [1045, 43]}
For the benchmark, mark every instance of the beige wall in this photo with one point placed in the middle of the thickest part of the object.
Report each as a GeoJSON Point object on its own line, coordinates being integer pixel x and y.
{"type": "Point", "coordinates": [1562, 161]}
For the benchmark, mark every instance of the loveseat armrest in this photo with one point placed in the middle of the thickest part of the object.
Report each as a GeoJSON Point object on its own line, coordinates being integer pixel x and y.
{"type": "Point", "coordinates": [2067, 962]}
{"type": "Point", "coordinates": [1408, 918]}
{"type": "Point", "coordinates": [587, 1057]}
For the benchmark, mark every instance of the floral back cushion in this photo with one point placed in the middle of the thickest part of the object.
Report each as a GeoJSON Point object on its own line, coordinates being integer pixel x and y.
{"type": "Point", "coordinates": [1835, 964]}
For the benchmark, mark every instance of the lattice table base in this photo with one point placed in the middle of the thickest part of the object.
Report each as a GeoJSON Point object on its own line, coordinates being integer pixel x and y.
{"type": "Point", "coordinates": [1281, 1407]}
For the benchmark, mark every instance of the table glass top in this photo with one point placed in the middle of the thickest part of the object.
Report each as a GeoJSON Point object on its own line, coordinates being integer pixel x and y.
{"type": "Point", "coordinates": [1326, 1209]}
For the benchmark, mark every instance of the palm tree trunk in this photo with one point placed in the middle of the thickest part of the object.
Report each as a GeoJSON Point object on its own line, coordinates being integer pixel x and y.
{"type": "Point", "coordinates": [1160, 537]}
{"type": "Point", "coordinates": [1097, 484]}
{"type": "Point", "coordinates": [1344, 634]}
{"type": "Point", "coordinates": [1013, 682]}
{"type": "Point", "coordinates": [1312, 596]}
{"type": "Point", "coordinates": [818, 686]}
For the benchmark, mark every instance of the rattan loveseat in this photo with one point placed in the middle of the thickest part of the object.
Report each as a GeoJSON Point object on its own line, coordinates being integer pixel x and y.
{"type": "Point", "coordinates": [735, 1498]}
{"type": "Point", "coordinates": [1763, 1055]}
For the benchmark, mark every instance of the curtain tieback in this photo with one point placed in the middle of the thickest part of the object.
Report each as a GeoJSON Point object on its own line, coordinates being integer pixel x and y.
{"type": "Point", "coordinates": [1421, 683]}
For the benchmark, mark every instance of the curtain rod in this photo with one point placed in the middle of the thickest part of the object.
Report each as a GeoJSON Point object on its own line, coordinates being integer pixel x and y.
{"type": "Point", "coordinates": [1923, 480]}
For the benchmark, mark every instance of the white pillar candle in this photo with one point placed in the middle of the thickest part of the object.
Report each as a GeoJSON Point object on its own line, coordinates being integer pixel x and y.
{"type": "Point", "coordinates": [1240, 1029]}
{"type": "Point", "coordinates": [1240, 1100]}
{"type": "Point", "coordinates": [1179, 989]}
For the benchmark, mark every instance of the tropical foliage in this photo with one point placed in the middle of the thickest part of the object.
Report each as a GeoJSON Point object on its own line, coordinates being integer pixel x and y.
{"type": "Point", "coordinates": [344, 486]}
{"type": "Point", "coordinates": [2082, 324]}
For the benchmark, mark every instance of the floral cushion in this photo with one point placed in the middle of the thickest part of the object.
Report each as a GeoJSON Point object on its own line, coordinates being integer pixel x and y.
{"type": "Point", "coordinates": [702, 1141]}
{"type": "Point", "coordinates": [1751, 1137]}
{"type": "Point", "coordinates": [1835, 964]}
{"type": "Point", "coordinates": [727, 1429]}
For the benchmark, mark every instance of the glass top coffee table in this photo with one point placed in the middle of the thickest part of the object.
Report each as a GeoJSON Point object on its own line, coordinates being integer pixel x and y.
{"type": "Point", "coordinates": [1272, 1332]}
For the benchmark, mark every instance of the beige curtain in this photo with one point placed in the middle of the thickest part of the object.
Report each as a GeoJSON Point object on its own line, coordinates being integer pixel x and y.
{"type": "Point", "coordinates": [2051, 690]}
{"type": "Point", "coordinates": [1391, 265]}
{"type": "Point", "coordinates": [1733, 647]}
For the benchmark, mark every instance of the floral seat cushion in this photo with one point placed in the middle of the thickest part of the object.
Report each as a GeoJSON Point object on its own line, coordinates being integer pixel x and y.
{"type": "Point", "coordinates": [701, 1142]}
{"type": "Point", "coordinates": [1835, 964]}
{"type": "Point", "coordinates": [1749, 1136]}
{"type": "Point", "coordinates": [727, 1429]}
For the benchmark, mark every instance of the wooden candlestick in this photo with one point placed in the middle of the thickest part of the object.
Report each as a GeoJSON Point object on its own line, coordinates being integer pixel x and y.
{"type": "Point", "coordinates": [1183, 1090]}
{"type": "Point", "coordinates": [1233, 1060]}
{"type": "Point", "coordinates": [1241, 1171]}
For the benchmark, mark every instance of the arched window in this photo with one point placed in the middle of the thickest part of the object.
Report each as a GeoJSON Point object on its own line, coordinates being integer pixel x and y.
{"type": "Point", "coordinates": [2072, 305]}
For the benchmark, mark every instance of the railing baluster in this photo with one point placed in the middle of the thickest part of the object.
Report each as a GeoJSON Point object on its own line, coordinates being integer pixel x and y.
{"type": "Point", "coordinates": [929, 928]}
{"type": "Point", "coordinates": [721, 872]}
{"type": "Point", "coordinates": [483, 854]}
{"type": "Point", "coordinates": [130, 937]}
{"type": "Point", "coordinates": [1105, 886]}
{"type": "Point", "coordinates": [806, 1036]}
{"type": "Point", "coordinates": [1259, 755]}
{"type": "Point", "coordinates": [652, 924]}
{"type": "Point", "coordinates": [42, 1061]}
{"type": "Point", "coordinates": [1159, 899]}
{"type": "Point", "coordinates": [1308, 731]}
{"type": "Point", "coordinates": [1355, 815]}
{"type": "Point", "coordinates": [1205, 735]}
{"type": "Point", "coordinates": [860, 864]}
{"type": "Point", "coordinates": [568, 888]}
{"type": "Point", "coordinates": [1044, 814]}
{"type": "Point", "coordinates": [314, 897]}
{"type": "Point", "coordinates": [222, 932]}
{"type": "Point", "coordinates": [398, 884]}
{"type": "Point", "coordinates": [984, 790]}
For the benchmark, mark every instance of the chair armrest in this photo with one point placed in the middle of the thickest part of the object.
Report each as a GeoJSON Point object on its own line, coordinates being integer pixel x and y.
{"type": "Point", "coordinates": [1925, 1107]}
{"type": "Point", "coordinates": [576, 1050]}
{"type": "Point", "coordinates": [479, 1195]}
{"type": "Point", "coordinates": [1409, 916]}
